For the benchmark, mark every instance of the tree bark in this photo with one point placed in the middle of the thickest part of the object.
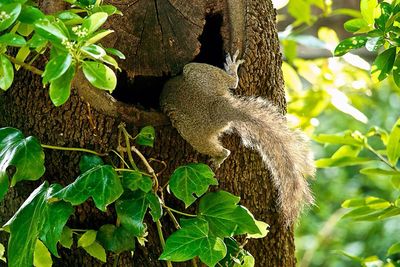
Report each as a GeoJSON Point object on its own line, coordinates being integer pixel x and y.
{"type": "Point", "coordinates": [159, 37]}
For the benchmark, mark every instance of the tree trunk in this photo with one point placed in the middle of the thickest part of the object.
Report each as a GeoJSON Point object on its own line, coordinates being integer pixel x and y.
{"type": "Point", "coordinates": [159, 37]}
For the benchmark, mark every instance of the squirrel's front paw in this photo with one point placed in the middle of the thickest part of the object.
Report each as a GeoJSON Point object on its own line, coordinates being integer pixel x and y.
{"type": "Point", "coordinates": [217, 161]}
{"type": "Point", "coordinates": [232, 64]}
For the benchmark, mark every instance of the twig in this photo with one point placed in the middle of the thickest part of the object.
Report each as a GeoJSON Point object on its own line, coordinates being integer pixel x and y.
{"type": "Point", "coordinates": [74, 149]}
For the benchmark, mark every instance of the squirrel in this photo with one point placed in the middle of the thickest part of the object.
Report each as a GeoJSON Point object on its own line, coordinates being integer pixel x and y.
{"type": "Point", "coordinates": [201, 107]}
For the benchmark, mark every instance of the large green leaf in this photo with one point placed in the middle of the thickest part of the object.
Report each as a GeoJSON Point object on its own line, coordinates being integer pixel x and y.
{"type": "Point", "coordinates": [135, 180]}
{"type": "Point", "coordinates": [99, 75]}
{"type": "Point", "coordinates": [100, 182]}
{"type": "Point", "coordinates": [11, 12]}
{"type": "Point", "coordinates": [116, 239]}
{"type": "Point", "coordinates": [25, 154]}
{"type": "Point", "coordinates": [393, 146]}
{"type": "Point", "coordinates": [225, 217]}
{"type": "Point", "coordinates": [60, 88]}
{"type": "Point", "coordinates": [50, 31]}
{"type": "Point", "coordinates": [6, 73]}
{"type": "Point", "coordinates": [36, 218]}
{"type": "Point", "coordinates": [367, 10]}
{"type": "Point", "coordinates": [190, 180]}
{"type": "Point", "coordinates": [30, 14]}
{"type": "Point", "coordinates": [41, 256]}
{"type": "Point", "coordinates": [194, 239]}
{"type": "Point", "coordinates": [56, 67]}
{"type": "Point", "coordinates": [89, 161]}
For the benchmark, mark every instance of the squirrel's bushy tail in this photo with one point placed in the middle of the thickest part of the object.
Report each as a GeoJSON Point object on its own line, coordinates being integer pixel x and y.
{"type": "Point", "coordinates": [285, 152]}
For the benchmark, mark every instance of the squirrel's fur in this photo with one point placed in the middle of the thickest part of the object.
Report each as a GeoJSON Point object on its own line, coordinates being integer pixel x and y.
{"type": "Point", "coordinates": [201, 107]}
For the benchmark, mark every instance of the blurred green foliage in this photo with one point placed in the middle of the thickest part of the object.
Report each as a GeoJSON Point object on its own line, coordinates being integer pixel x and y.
{"type": "Point", "coordinates": [354, 120]}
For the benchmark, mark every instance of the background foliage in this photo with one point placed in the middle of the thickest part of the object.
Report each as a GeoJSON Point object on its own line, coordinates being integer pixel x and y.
{"type": "Point", "coordinates": [353, 117]}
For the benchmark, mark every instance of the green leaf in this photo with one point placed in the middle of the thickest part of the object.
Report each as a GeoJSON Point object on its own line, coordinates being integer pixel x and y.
{"type": "Point", "coordinates": [59, 213]}
{"type": "Point", "coordinates": [25, 154]}
{"type": "Point", "coordinates": [383, 64]}
{"type": "Point", "coordinates": [97, 37]}
{"type": "Point", "coordinates": [12, 39]}
{"type": "Point", "coordinates": [50, 31]}
{"type": "Point", "coordinates": [93, 51]}
{"type": "Point", "coordinates": [35, 218]}
{"type": "Point", "coordinates": [25, 29]}
{"type": "Point", "coordinates": [6, 73]}
{"type": "Point", "coordinates": [378, 171]}
{"type": "Point", "coordinates": [22, 54]}
{"type": "Point", "coordinates": [393, 146]}
{"type": "Point", "coordinates": [11, 12]}
{"type": "Point", "coordinates": [394, 249]}
{"type": "Point", "coordinates": [367, 8]}
{"type": "Point", "coordinates": [89, 161]}
{"type": "Point", "coordinates": [155, 206]}
{"type": "Point", "coordinates": [341, 162]}
{"type": "Point", "coordinates": [131, 210]}
{"type": "Point", "coordinates": [41, 256]}
{"type": "Point", "coordinates": [70, 18]}
{"type": "Point", "coordinates": [349, 44]}
{"type": "Point", "coordinates": [66, 237]}
{"type": "Point", "coordinates": [99, 75]}
{"type": "Point", "coordinates": [97, 251]}
{"type": "Point", "coordinates": [370, 202]}
{"type": "Point", "coordinates": [94, 21]}
{"type": "Point", "coordinates": [263, 229]}
{"type": "Point", "coordinates": [225, 217]}
{"type": "Point", "coordinates": [192, 240]}
{"type": "Point", "coordinates": [348, 138]}
{"type": "Point", "coordinates": [116, 239]}
{"type": "Point", "coordinates": [56, 67]}
{"type": "Point", "coordinates": [87, 238]}
{"type": "Point", "coordinates": [396, 71]}
{"type": "Point", "coordinates": [2, 250]}
{"type": "Point", "coordinates": [115, 52]}
{"type": "Point", "coordinates": [194, 178]}
{"type": "Point", "coordinates": [60, 88]}
{"type": "Point", "coordinates": [36, 41]}
{"type": "Point", "coordinates": [146, 136]}
{"type": "Point", "coordinates": [356, 25]}
{"type": "Point", "coordinates": [100, 182]}
{"type": "Point", "coordinates": [30, 14]}
{"type": "Point", "coordinates": [109, 9]}
{"type": "Point", "coordinates": [135, 180]}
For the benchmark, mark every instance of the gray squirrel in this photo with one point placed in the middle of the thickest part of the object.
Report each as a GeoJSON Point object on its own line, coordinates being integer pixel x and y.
{"type": "Point", "coordinates": [202, 108]}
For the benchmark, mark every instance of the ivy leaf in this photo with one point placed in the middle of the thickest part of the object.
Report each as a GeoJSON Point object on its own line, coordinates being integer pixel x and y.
{"type": "Point", "coordinates": [60, 88]}
{"type": "Point", "coordinates": [89, 161]}
{"type": "Point", "coordinates": [225, 217]}
{"type": "Point", "coordinates": [131, 210]}
{"type": "Point", "coordinates": [56, 67]}
{"type": "Point", "coordinates": [25, 154]}
{"type": "Point", "coordinates": [192, 240]}
{"type": "Point", "coordinates": [135, 180]}
{"type": "Point", "coordinates": [146, 136]}
{"type": "Point", "coordinates": [194, 178]}
{"type": "Point", "coordinates": [66, 237]}
{"type": "Point", "coordinates": [35, 218]}
{"type": "Point", "coordinates": [116, 239]}
{"type": "Point", "coordinates": [97, 251]}
{"type": "Point", "coordinates": [87, 238]}
{"type": "Point", "coordinates": [6, 73]}
{"type": "Point", "coordinates": [349, 44]}
{"type": "Point", "coordinates": [99, 75]}
{"type": "Point", "coordinates": [155, 206]}
{"type": "Point", "coordinates": [100, 182]}
{"type": "Point", "coordinates": [12, 39]}
{"type": "Point", "coordinates": [12, 11]}
{"type": "Point", "coordinates": [393, 146]}
{"type": "Point", "coordinates": [41, 256]}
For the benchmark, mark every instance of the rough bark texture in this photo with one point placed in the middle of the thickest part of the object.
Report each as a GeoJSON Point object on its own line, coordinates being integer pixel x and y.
{"type": "Point", "coordinates": [159, 37]}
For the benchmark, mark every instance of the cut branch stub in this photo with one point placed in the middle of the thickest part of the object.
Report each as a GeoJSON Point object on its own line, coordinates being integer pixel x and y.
{"type": "Point", "coordinates": [158, 37]}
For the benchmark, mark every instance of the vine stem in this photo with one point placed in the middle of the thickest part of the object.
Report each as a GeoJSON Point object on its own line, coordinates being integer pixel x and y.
{"type": "Point", "coordinates": [178, 212]}
{"type": "Point", "coordinates": [128, 144]}
{"type": "Point", "coordinates": [130, 170]}
{"type": "Point", "coordinates": [148, 166]}
{"type": "Point", "coordinates": [380, 157]}
{"type": "Point", "coordinates": [74, 149]}
{"type": "Point", "coordinates": [25, 65]}
{"type": "Point", "coordinates": [162, 240]}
